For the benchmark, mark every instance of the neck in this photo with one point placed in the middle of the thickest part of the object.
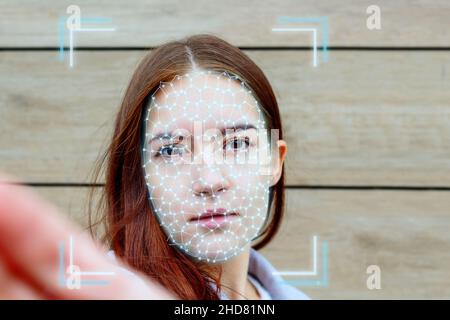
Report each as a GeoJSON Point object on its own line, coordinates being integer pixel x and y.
{"type": "Point", "coordinates": [234, 280]}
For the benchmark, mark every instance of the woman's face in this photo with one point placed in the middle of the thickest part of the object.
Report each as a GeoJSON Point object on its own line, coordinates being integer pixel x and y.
{"type": "Point", "coordinates": [207, 164]}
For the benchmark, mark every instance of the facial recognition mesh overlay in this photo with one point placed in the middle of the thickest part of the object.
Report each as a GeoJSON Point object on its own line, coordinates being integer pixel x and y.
{"type": "Point", "coordinates": [205, 145]}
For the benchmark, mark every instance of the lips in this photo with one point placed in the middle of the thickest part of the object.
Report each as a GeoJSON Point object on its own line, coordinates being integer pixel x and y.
{"type": "Point", "coordinates": [214, 218]}
{"type": "Point", "coordinates": [212, 213]}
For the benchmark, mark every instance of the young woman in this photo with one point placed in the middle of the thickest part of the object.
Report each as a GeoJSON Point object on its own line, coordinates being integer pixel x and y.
{"type": "Point", "coordinates": [194, 178]}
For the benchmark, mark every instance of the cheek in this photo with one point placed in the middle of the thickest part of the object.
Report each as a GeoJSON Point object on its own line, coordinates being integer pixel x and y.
{"type": "Point", "coordinates": [166, 175]}
{"type": "Point", "coordinates": [170, 185]}
{"type": "Point", "coordinates": [249, 177]}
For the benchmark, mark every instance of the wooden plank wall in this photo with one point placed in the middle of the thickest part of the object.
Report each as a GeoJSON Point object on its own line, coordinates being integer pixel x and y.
{"type": "Point", "coordinates": [368, 132]}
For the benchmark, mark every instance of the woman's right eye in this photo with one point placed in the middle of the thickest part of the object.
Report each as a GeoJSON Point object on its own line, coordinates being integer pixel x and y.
{"type": "Point", "coordinates": [170, 150]}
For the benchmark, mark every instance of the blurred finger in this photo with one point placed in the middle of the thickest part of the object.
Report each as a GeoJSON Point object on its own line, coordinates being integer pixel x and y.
{"type": "Point", "coordinates": [12, 288]}
{"type": "Point", "coordinates": [31, 231]}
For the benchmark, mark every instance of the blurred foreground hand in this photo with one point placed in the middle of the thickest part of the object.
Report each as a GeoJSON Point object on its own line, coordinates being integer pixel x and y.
{"type": "Point", "coordinates": [31, 231]}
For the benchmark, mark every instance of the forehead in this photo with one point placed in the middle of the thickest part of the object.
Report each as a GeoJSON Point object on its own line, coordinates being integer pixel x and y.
{"type": "Point", "coordinates": [212, 98]}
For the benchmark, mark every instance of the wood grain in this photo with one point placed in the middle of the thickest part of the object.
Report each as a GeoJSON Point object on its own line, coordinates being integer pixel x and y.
{"type": "Point", "coordinates": [244, 23]}
{"type": "Point", "coordinates": [364, 118]}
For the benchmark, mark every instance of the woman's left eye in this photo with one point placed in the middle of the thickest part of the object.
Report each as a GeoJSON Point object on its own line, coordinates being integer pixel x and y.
{"type": "Point", "coordinates": [237, 144]}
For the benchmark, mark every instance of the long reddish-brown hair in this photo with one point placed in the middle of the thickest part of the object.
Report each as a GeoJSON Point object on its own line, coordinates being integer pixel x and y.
{"type": "Point", "coordinates": [130, 227]}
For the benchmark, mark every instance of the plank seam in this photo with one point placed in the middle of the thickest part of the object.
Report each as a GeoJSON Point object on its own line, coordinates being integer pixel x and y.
{"type": "Point", "coordinates": [305, 187]}
{"type": "Point", "coordinates": [262, 48]}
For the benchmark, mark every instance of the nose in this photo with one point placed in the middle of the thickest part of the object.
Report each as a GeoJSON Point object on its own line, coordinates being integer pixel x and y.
{"type": "Point", "coordinates": [210, 182]}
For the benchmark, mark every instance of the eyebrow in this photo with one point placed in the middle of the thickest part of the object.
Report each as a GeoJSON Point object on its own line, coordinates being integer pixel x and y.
{"type": "Point", "coordinates": [237, 127]}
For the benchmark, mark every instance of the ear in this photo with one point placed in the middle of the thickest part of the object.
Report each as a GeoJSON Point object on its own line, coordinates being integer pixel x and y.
{"type": "Point", "coordinates": [280, 154]}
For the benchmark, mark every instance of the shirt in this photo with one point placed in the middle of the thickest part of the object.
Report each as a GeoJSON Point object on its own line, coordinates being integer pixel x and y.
{"type": "Point", "coordinates": [270, 286]}
{"type": "Point", "coordinates": [263, 294]}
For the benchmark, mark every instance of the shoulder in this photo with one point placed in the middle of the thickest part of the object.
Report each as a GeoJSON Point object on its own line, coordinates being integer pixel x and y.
{"type": "Point", "coordinates": [267, 275]}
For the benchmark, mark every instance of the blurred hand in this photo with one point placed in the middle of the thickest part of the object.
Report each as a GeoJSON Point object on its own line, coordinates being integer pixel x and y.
{"type": "Point", "coordinates": [31, 231]}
